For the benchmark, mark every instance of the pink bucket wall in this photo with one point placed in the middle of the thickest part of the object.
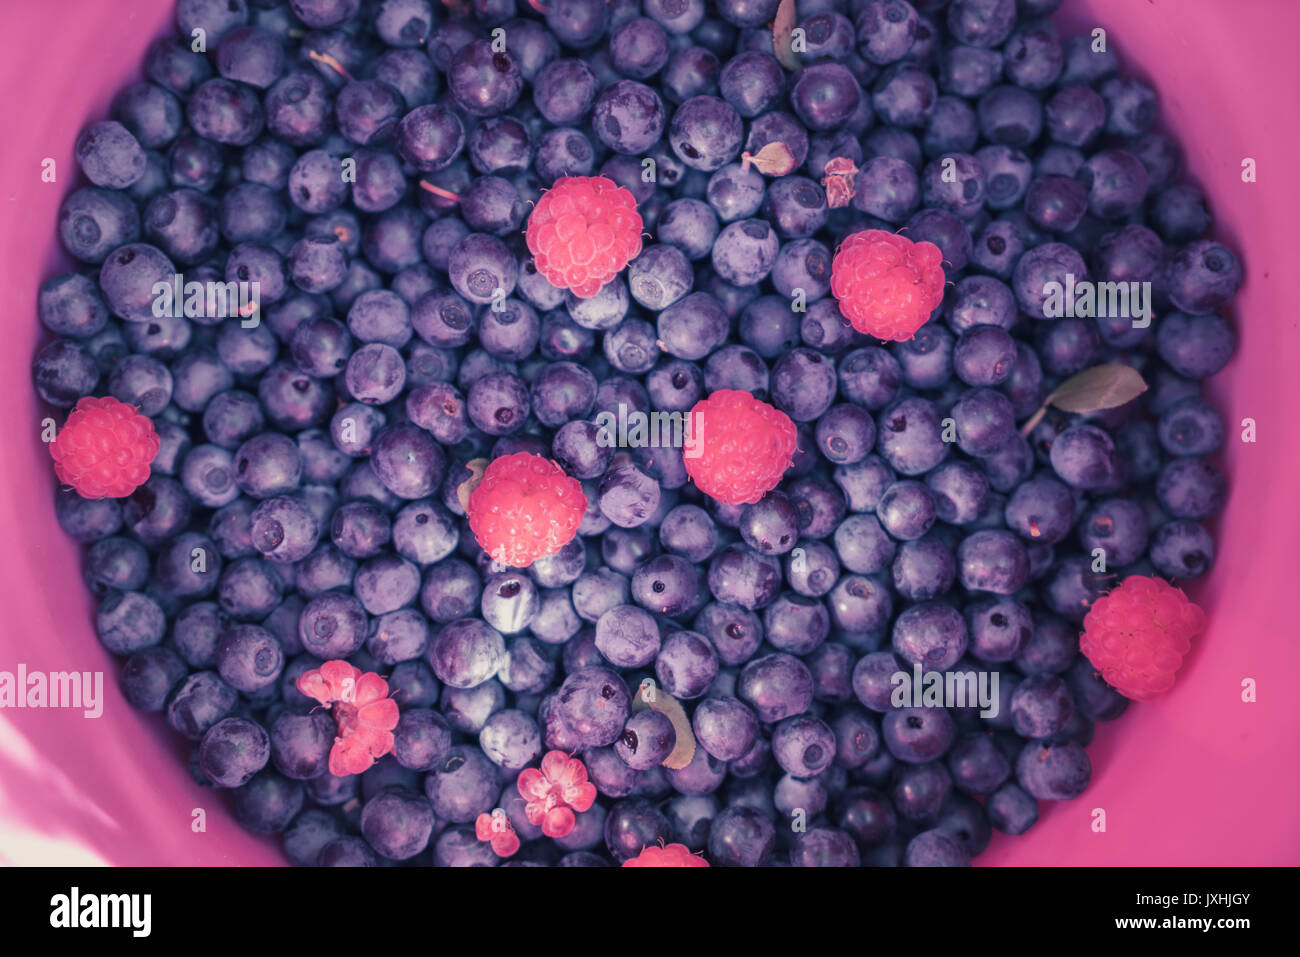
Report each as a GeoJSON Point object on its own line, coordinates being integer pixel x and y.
{"type": "Point", "coordinates": [1197, 777]}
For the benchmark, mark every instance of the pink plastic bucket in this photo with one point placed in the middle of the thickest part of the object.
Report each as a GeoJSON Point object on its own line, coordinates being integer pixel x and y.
{"type": "Point", "coordinates": [1196, 777]}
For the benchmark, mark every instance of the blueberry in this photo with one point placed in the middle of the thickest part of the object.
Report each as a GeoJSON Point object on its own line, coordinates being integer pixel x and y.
{"type": "Point", "coordinates": [110, 155]}
{"type": "Point", "coordinates": [1011, 810]}
{"type": "Point", "coordinates": [1118, 527]}
{"type": "Point", "coordinates": [1190, 428]}
{"type": "Point", "coordinates": [1034, 56]}
{"type": "Point", "coordinates": [148, 677]}
{"type": "Point", "coordinates": [977, 765]}
{"type": "Point", "coordinates": [284, 529]}
{"type": "Point", "coordinates": [627, 636]}
{"type": "Point", "coordinates": [200, 700]}
{"type": "Point", "coordinates": [960, 490]}
{"type": "Point", "coordinates": [750, 82]}
{"type": "Point", "coordinates": [1053, 772]}
{"type": "Point", "coordinates": [1190, 488]}
{"type": "Point", "coordinates": [917, 735]}
{"type": "Point", "coordinates": [628, 117]}
{"type": "Point", "coordinates": [887, 187]}
{"type": "Point", "coordinates": [422, 739]}
{"type": "Point", "coordinates": [232, 751]}
{"type": "Point", "coordinates": [1130, 105]}
{"type": "Point", "coordinates": [903, 96]}
{"type": "Point", "coordinates": [94, 222]}
{"type": "Point", "coordinates": [1178, 213]}
{"type": "Point", "coordinates": [248, 658]}
{"type": "Point", "coordinates": [1084, 456]}
{"type": "Point", "coordinates": [796, 624]}
{"type": "Point", "coordinates": [1041, 509]}
{"type": "Point", "coordinates": [992, 560]}
{"type": "Point", "coordinates": [798, 208]}
{"type": "Point", "coordinates": [923, 569]}
{"type": "Point", "coordinates": [1202, 276]}
{"type": "Point", "coordinates": [511, 739]}
{"type": "Point", "coordinates": [1001, 243]}
{"type": "Point", "coordinates": [594, 703]}
{"type": "Point", "coordinates": [309, 832]}
{"type": "Point", "coordinates": [397, 823]}
{"type": "Point", "coordinates": [172, 65]}
{"type": "Point", "coordinates": [462, 786]}
{"type": "Point", "coordinates": [745, 252]}
{"type": "Point", "coordinates": [981, 23]}
{"type": "Point", "coordinates": [931, 634]}
{"type": "Point", "coordinates": [920, 790]}
{"type": "Point", "coordinates": [886, 30]}
{"type": "Point", "coordinates": [907, 509]}
{"type": "Point", "coordinates": [741, 837]}
{"type": "Point", "coordinates": [908, 436]}
{"type": "Point", "coordinates": [1050, 645]}
{"type": "Point", "coordinates": [777, 686]}
{"type": "Point", "coordinates": [803, 745]}
{"type": "Point", "coordinates": [1041, 706]}
{"type": "Point", "coordinates": [861, 605]}
{"type": "Point", "coordinates": [153, 513]}
{"type": "Point", "coordinates": [866, 814]}
{"type": "Point", "coordinates": [225, 112]}
{"type": "Point", "coordinates": [647, 739]}
{"type": "Point", "coordinates": [116, 563]}
{"type": "Point", "coordinates": [467, 710]}
{"type": "Point", "coordinates": [300, 744]}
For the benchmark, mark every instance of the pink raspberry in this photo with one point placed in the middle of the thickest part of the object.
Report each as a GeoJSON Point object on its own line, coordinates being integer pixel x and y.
{"type": "Point", "coordinates": [1137, 634]}
{"type": "Point", "coordinates": [105, 448]}
{"type": "Point", "coordinates": [671, 855]}
{"type": "Point", "coordinates": [583, 232]}
{"type": "Point", "coordinates": [524, 508]}
{"type": "Point", "coordinates": [887, 285]}
{"type": "Point", "coordinates": [744, 447]}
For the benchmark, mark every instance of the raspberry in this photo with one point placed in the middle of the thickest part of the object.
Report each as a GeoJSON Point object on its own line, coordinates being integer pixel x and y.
{"type": "Point", "coordinates": [525, 508]}
{"type": "Point", "coordinates": [738, 447]}
{"type": "Point", "coordinates": [887, 285]}
{"type": "Point", "coordinates": [582, 233]}
{"type": "Point", "coordinates": [105, 448]}
{"type": "Point", "coordinates": [673, 855]}
{"type": "Point", "coordinates": [1137, 634]}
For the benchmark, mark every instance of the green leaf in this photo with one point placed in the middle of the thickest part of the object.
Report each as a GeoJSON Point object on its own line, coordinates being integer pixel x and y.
{"type": "Point", "coordinates": [1101, 387]}
{"type": "Point", "coordinates": [782, 29]}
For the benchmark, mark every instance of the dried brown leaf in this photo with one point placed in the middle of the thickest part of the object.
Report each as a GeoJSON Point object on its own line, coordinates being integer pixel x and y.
{"type": "Point", "coordinates": [774, 159]}
{"type": "Point", "coordinates": [782, 34]}
{"type": "Point", "coordinates": [649, 696]}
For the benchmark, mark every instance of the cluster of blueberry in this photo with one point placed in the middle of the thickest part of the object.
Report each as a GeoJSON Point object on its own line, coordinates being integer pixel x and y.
{"type": "Point", "coordinates": [371, 164]}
